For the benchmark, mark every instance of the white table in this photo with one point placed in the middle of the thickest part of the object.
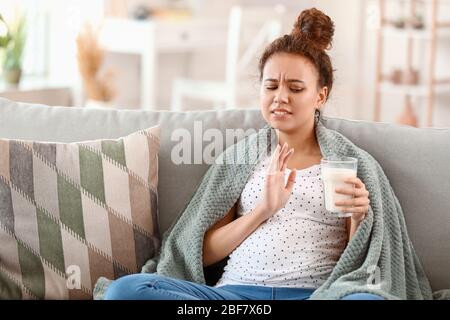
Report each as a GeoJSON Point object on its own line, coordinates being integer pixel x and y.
{"type": "Point", "coordinates": [149, 38]}
{"type": "Point", "coordinates": [38, 90]}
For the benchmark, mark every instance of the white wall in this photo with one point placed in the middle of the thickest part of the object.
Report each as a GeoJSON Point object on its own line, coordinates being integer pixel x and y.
{"type": "Point", "coordinates": [346, 57]}
{"type": "Point", "coordinates": [353, 57]}
{"type": "Point", "coordinates": [66, 20]}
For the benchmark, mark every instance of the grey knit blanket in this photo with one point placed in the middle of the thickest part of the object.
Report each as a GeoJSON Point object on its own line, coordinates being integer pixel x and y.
{"type": "Point", "coordinates": [379, 259]}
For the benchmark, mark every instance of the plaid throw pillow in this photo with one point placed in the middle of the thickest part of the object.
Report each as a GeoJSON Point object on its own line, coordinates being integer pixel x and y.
{"type": "Point", "coordinates": [72, 212]}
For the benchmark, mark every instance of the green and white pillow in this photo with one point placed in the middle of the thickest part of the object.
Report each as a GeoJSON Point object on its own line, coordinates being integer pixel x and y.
{"type": "Point", "coordinates": [72, 212]}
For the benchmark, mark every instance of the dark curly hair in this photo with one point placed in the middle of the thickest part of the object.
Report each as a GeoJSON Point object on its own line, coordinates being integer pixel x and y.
{"type": "Point", "coordinates": [311, 36]}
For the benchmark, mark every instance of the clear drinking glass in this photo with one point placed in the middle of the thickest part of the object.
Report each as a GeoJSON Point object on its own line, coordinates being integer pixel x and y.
{"type": "Point", "coordinates": [335, 170]}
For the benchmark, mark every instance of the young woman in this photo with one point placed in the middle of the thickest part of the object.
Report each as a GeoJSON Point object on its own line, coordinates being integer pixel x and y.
{"type": "Point", "coordinates": [281, 242]}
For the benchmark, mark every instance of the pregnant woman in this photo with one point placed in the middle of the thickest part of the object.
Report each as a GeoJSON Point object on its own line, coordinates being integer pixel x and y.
{"type": "Point", "coordinates": [276, 237]}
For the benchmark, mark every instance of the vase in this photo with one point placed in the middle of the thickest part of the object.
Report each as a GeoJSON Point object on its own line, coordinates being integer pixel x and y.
{"type": "Point", "coordinates": [408, 117]}
{"type": "Point", "coordinates": [12, 76]}
{"type": "Point", "coordinates": [98, 104]}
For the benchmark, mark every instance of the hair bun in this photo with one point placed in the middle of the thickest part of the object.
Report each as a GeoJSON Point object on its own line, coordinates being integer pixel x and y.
{"type": "Point", "coordinates": [315, 26]}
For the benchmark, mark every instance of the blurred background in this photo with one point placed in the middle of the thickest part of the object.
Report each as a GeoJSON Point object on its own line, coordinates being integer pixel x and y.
{"type": "Point", "coordinates": [391, 57]}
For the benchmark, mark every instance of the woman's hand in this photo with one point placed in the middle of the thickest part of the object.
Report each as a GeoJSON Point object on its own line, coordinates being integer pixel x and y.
{"type": "Point", "coordinates": [359, 205]}
{"type": "Point", "coordinates": [276, 191]}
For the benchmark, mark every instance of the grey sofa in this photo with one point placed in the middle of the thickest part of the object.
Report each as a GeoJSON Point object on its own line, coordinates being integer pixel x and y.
{"type": "Point", "coordinates": [416, 161]}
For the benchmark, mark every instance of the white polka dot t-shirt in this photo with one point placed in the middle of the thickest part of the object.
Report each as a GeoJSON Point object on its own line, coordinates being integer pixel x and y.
{"type": "Point", "coordinates": [298, 246]}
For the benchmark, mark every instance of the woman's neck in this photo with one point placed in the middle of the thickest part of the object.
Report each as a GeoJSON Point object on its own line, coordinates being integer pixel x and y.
{"type": "Point", "coordinates": [303, 141]}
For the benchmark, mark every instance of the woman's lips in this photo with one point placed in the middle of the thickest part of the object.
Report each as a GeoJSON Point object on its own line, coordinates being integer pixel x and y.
{"type": "Point", "coordinates": [280, 114]}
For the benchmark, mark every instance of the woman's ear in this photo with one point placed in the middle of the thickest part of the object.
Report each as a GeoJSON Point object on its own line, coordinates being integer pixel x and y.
{"type": "Point", "coordinates": [322, 96]}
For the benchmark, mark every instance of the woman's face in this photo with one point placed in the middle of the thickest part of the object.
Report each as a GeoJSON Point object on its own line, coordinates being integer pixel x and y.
{"type": "Point", "coordinates": [289, 92]}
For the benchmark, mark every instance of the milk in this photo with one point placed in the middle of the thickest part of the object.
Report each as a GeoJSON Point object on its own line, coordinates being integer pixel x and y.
{"type": "Point", "coordinates": [333, 178]}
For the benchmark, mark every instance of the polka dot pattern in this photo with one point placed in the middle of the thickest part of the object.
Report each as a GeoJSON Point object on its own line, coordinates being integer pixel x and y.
{"type": "Point", "coordinates": [298, 246]}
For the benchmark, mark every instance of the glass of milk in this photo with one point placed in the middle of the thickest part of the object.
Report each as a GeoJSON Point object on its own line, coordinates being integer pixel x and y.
{"type": "Point", "coordinates": [335, 170]}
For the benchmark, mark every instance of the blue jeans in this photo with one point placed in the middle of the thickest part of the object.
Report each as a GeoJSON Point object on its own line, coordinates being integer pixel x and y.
{"type": "Point", "coordinates": [150, 286]}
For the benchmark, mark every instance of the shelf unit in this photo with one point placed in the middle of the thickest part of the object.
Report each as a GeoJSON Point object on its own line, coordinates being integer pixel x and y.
{"type": "Point", "coordinates": [431, 33]}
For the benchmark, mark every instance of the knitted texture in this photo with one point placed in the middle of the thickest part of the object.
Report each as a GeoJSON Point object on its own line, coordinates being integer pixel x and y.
{"type": "Point", "coordinates": [379, 259]}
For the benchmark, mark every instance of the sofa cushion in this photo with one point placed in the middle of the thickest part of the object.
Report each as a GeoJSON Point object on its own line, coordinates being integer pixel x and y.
{"type": "Point", "coordinates": [72, 212]}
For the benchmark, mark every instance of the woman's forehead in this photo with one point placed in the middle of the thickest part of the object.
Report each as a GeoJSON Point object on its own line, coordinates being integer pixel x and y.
{"type": "Point", "coordinates": [289, 66]}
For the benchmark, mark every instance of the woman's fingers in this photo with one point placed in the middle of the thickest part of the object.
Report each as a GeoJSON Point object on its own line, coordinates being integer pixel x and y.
{"type": "Point", "coordinates": [291, 181]}
{"type": "Point", "coordinates": [359, 184]}
{"type": "Point", "coordinates": [282, 155]}
{"type": "Point", "coordinates": [274, 161]}
{"type": "Point", "coordinates": [286, 158]}
{"type": "Point", "coordinates": [355, 202]}
{"type": "Point", "coordinates": [280, 158]}
{"type": "Point", "coordinates": [364, 209]}
{"type": "Point", "coordinates": [360, 202]}
{"type": "Point", "coordinates": [355, 192]}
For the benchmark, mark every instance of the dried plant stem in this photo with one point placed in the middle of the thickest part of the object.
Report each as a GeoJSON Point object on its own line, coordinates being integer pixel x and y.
{"type": "Point", "coordinates": [90, 60]}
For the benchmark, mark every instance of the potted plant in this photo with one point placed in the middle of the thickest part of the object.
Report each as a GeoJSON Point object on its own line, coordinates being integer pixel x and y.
{"type": "Point", "coordinates": [13, 44]}
{"type": "Point", "coordinates": [5, 38]}
{"type": "Point", "coordinates": [4, 33]}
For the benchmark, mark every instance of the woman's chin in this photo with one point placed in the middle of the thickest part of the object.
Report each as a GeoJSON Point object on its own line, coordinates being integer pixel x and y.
{"type": "Point", "coordinates": [280, 125]}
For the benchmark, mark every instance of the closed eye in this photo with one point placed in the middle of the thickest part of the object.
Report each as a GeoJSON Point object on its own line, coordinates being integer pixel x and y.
{"type": "Point", "coordinates": [292, 89]}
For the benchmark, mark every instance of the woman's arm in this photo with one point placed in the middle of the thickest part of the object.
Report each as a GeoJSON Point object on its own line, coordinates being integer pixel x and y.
{"type": "Point", "coordinates": [223, 237]}
{"type": "Point", "coordinates": [352, 225]}
{"type": "Point", "coordinates": [228, 233]}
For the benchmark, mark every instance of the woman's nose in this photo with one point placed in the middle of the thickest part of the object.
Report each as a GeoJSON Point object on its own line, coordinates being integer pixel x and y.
{"type": "Point", "coordinates": [281, 97]}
